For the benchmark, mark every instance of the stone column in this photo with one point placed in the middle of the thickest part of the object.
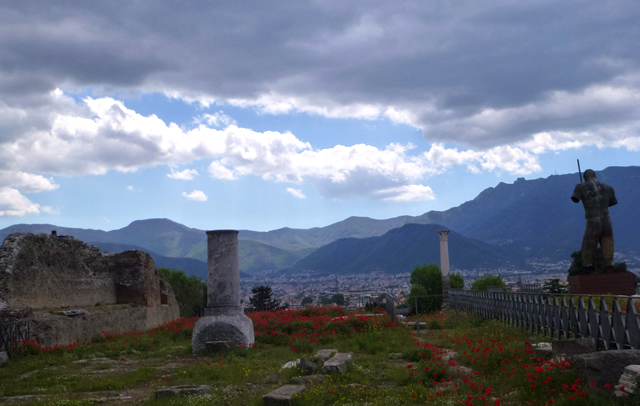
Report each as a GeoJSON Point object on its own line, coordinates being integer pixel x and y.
{"type": "Point", "coordinates": [223, 273]}
{"type": "Point", "coordinates": [444, 266]}
{"type": "Point", "coordinates": [224, 324]}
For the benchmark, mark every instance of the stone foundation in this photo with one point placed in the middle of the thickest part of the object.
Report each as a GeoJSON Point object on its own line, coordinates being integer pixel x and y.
{"type": "Point", "coordinates": [49, 329]}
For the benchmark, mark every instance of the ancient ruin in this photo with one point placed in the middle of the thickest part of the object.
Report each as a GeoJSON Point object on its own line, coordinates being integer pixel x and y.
{"type": "Point", "coordinates": [70, 291]}
{"type": "Point", "coordinates": [224, 321]}
{"type": "Point", "coordinates": [444, 266]}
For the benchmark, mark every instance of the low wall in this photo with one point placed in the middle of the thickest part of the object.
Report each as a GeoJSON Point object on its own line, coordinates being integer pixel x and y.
{"type": "Point", "coordinates": [50, 329]}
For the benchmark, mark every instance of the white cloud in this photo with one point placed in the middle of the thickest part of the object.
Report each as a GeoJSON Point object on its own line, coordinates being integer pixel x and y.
{"type": "Point", "coordinates": [296, 193]}
{"type": "Point", "coordinates": [407, 193]}
{"type": "Point", "coordinates": [131, 188]}
{"type": "Point", "coordinates": [26, 182]}
{"type": "Point", "coordinates": [13, 203]}
{"type": "Point", "coordinates": [219, 171]}
{"type": "Point", "coordinates": [217, 120]}
{"type": "Point", "coordinates": [196, 195]}
{"type": "Point", "coordinates": [112, 136]}
{"type": "Point", "coordinates": [187, 174]}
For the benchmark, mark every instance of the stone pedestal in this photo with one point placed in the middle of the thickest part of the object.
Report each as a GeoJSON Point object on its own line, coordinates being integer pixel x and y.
{"type": "Point", "coordinates": [617, 283]}
{"type": "Point", "coordinates": [224, 319]}
{"type": "Point", "coordinates": [444, 266]}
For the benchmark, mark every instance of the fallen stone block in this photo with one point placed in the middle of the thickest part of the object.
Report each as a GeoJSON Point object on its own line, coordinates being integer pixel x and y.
{"type": "Point", "coordinates": [575, 346]}
{"type": "Point", "coordinates": [282, 396]}
{"type": "Point", "coordinates": [307, 367]}
{"type": "Point", "coordinates": [323, 355]}
{"type": "Point", "coordinates": [337, 364]}
{"type": "Point", "coordinates": [72, 313]}
{"type": "Point", "coordinates": [605, 367]}
{"type": "Point", "coordinates": [4, 357]}
{"type": "Point", "coordinates": [291, 364]}
{"type": "Point", "coordinates": [543, 351]}
{"type": "Point", "coordinates": [182, 390]}
{"type": "Point", "coordinates": [630, 378]}
{"type": "Point", "coordinates": [308, 380]}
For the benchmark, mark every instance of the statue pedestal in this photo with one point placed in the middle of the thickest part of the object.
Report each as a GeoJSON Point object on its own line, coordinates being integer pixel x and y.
{"type": "Point", "coordinates": [617, 283]}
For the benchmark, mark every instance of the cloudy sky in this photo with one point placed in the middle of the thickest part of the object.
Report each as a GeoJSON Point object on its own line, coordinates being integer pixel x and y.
{"type": "Point", "coordinates": [260, 115]}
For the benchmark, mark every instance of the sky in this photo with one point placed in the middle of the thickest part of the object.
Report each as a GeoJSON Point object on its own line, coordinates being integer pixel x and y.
{"type": "Point", "coordinates": [260, 115]}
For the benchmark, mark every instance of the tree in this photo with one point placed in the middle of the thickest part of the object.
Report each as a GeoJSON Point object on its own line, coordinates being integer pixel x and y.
{"type": "Point", "coordinates": [456, 281]}
{"type": "Point", "coordinates": [307, 301]}
{"type": "Point", "coordinates": [426, 288]}
{"type": "Point", "coordinates": [338, 299]}
{"type": "Point", "coordinates": [262, 299]}
{"type": "Point", "coordinates": [326, 300]}
{"type": "Point", "coordinates": [488, 281]}
{"type": "Point", "coordinates": [554, 286]}
{"type": "Point", "coordinates": [190, 291]}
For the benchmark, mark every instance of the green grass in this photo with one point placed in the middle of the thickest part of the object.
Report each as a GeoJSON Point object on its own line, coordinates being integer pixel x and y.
{"type": "Point", "coordinates": [393, 365]}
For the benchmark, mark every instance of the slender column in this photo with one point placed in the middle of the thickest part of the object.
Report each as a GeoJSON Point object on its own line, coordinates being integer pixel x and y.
{"type": "Point", "coordinates": [444, 266]}
{"type": "Point", "coordinates": [223, 271]}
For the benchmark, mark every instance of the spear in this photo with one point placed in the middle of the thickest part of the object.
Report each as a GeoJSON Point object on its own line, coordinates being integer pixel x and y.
{"type": "Point", "coordinates": [579, 171]}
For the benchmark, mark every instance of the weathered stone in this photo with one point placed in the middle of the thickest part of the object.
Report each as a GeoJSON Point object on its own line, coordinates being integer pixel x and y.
{"type": "Point", "coordinates": [629, 378]}
{"type": "Point", "coordinates": [14, 313]}
{"type": "Point", "coordinates": [308, 380]}
{"type": "Point", "coordinates": [41, 271]}
{"type": "Point", "coordinates": [49, 329]}
{"type": "Point", "coordinates": [237, 330]}
{"type": "Point", "coordinates": [307, 367]}
{"type": "Point", "coordinates": [224, 318]}
{"type": "Point", "coordinates": [291, 364]}
{"type": "Point", "coordinates": [50, 271]}
{"type": "Point", "coordinates": [71, 313]}
{"type": "Point", "coordinates": [388, 303]}
{"type": "Point", "coordinates": [543, 351]}
{"type": "Point", "coordinates": [395, 355]}
{"type": "Point", "coordinates": [4, 357]}
{"type": "Point", "coordinates": [182, 390]}
{"type": "Point", "coordinates": [337, 364]}
{"type": "Point", "coordinates": [218, 346]}
{"type": "Point", "coordinates": [574, 346]}
{"type": "Point", "coordinates": [282, 396]}
{"type": "Point", "coordinates": [323, 355]}
{"type": "Point", "coordinates": [605, 367]}
{"type": "Point", "coordinates": [223, 273]}
{"type": "Point", "coordinates": [136, 278]}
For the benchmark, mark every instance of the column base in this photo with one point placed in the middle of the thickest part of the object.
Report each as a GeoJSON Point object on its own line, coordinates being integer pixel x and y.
{"type": "Point", "coordinates": [237, 330]}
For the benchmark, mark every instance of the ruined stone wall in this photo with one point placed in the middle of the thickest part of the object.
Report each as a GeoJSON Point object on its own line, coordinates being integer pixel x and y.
{"type": "Point", "coordinates": [50, 329]}
{"type": "Point", "coordinates": [45, 271]}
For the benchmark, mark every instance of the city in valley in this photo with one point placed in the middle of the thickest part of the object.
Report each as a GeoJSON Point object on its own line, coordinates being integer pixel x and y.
{"type": "Point", "coordinates": [360, 288]}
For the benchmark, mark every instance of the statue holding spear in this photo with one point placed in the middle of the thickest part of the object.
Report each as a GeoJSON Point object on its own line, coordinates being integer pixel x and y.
{"type": "Point", "coordinates": [596, 199]}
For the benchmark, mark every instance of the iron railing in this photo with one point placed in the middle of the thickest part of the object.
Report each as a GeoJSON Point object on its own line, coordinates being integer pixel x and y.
{"type": "Point", "coordinates": [560, 316]}
{"type": "Point", "coordinates": [11, 333]}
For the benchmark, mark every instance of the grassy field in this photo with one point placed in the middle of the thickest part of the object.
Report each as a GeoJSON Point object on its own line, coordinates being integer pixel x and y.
{"type": "Point", "coordinates": [457, 360]}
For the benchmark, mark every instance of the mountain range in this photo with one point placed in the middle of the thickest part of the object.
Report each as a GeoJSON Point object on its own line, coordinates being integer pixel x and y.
{"type": "Point", "coordinates": [502, 226]}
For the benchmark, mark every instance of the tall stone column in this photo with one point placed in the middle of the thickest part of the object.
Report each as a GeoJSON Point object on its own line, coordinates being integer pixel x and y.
{"type": "Point", "coordinates": [224, 324]}
{"type": "Point", "coordinates": [444, 266]}
{"type": "Point", "coordinates": [223, 273]}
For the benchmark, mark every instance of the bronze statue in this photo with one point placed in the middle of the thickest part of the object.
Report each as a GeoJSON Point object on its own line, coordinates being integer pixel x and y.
{"type": "Point", "coordinates": [596, 198]}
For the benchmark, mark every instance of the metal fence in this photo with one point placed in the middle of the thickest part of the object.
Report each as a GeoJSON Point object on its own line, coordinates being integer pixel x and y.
{"type": "Point", "coordinates": [11, 333]}
{"type": "Point", "coordinates": [611, 320]}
